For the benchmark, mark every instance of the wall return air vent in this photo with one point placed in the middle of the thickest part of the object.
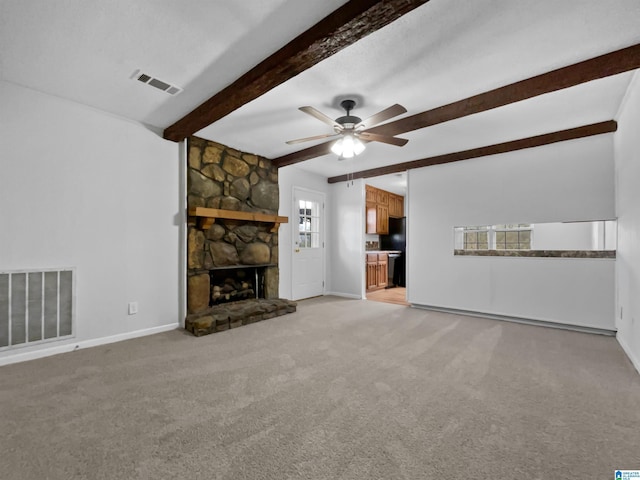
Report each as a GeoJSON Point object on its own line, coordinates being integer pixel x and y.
{"type": "Point", "coordinates": [155, 82]}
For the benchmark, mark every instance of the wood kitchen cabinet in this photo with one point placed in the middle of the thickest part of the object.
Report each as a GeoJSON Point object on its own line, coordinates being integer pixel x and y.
{"type": "Point", "coordinates": [372, 194]}
{"type": "Point", "coordinates": [383, 272]}
{"type": "Point", "coordinates": [377, 271]}
{"type": "Point", "coordinates": [372, 271]}
{"type": "Point", "coordinates": [377, 219]}
{"type": "Point", "coordinates": [380, 206]}
{"type": "Point", "coordinates": [372, 215]}
{"type": "Point", "coordinates": [382, 219]}
{"type": "Point", "coordinates": [396, 206]}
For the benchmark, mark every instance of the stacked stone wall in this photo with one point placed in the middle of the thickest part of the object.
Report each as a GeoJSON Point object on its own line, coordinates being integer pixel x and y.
{"type": "Point", "coordinates": [224, 178]}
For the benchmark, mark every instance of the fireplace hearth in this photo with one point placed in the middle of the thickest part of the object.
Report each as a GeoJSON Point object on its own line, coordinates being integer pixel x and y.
{"type": "Point", "coordinates": [232, 239]}
{"type": "Point", "coordinates": [236, 314]}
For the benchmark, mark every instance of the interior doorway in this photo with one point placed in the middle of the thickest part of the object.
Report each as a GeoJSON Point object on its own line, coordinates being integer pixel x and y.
{"type": "Point", "coordinates": [386, 241]}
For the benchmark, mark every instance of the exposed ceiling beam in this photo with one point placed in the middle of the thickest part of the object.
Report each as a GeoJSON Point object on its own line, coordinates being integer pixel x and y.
{"type": "Point", "coordinates": [345, 26]}
{"type": "Point", "coordinates": [529, 142]}
{"type": "Point", "coordinates": [599, 67]}
{"type": "Point", "coordinates": [606, 65]}
{"type": "Point", "coordinates": [302, 155]}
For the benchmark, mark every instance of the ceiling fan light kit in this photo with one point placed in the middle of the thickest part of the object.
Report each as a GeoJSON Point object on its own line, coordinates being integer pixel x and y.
{"type": "Point", "coordinates": [352, 129]}
{"type": "Point", "coordinates": [347, 147]}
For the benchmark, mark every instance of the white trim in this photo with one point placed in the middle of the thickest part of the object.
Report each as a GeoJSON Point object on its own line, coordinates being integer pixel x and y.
{"type": "Point", "coordinates": [183, 156]}
{"type": "Point", "coordinates": [363, 236]}
{"type": "Point", "coordinates": [9, 310]}
{"type": "Point", "coordinates": [407, 250]}
{"type": "Point", "coordinates": [344, 295]}
{"type": "Point", "coordinates": [69, 347]}
{"type": "Point", "coordinates": [635, 361]}
{"type": "Point", "coordinates": [58, 304]}
{"type": "Point", "coordinates": [527, 321]}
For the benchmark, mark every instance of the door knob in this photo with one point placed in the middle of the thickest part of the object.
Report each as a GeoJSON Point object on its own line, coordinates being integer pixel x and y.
{"type": "Point", "coordinates": [297, 250]}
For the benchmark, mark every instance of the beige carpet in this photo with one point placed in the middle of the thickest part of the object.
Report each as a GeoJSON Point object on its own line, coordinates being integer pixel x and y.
{"type": "Point", "coordinates": [343, 389]}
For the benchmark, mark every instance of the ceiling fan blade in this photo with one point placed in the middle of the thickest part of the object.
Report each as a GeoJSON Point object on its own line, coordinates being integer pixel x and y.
{"type": "Point", "coordinates": [315, 137]}
{"type": "Point", "coordinates": [386, 114]}
{"type": "Point", "coordinates": [375, 137]}
{"type": "Point", "coordinates": [320, 116]}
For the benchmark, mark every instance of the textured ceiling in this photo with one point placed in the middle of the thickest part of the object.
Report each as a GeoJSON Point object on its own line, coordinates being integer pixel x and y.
{"type": "Point", "coordinates": [87, 50]}
{"type": "Point", "coordinates": [444, 51]}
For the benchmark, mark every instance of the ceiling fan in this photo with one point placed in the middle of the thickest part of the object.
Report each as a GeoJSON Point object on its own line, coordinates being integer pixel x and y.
{"type": "Point", "coordinates": [352, 130]}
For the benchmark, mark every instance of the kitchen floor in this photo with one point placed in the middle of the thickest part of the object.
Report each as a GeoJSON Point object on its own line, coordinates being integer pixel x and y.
{"type": "Point", "coordinates": [397, 295]}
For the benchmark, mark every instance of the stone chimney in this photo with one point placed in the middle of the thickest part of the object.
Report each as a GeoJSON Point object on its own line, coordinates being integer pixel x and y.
{"type": "Point", "coordinates": [220, 177]}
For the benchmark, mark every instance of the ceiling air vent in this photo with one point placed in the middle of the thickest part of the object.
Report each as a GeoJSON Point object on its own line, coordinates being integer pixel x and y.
{"type": "Point", "coordinates": [155, 82]}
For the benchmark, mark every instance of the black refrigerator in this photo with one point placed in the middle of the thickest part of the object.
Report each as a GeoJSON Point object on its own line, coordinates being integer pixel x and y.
{"type": "Point", "coordinates": [396, 240]}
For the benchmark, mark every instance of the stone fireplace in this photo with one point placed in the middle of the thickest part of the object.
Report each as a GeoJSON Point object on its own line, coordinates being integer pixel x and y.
{"type": "Point", "coordinates": [232, 240]}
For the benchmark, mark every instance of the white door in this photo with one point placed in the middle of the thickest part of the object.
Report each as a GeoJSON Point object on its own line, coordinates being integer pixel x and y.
{"type": "Point", "coordinates": [308, 244]}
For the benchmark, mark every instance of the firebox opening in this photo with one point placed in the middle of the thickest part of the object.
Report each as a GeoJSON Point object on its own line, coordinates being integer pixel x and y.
{"type": "Point", "coordinates": [237, 282]}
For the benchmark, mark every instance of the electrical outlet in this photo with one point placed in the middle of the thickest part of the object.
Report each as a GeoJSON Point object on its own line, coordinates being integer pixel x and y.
{"type": "Point", "coordinates": [133, 308]}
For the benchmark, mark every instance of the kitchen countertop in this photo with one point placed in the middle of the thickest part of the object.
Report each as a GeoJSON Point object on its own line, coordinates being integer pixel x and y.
{"type": "Point", "coordinates": [383, 251]}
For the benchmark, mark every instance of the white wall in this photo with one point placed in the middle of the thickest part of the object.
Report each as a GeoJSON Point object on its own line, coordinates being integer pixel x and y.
{"type": "Point", "coordinates": [344, 232]}
{"type": "Point", "coordinates": [288, 178]}
{"type": "Point", "coordinates": [81, 188]}
{"type": "Point", "coordinates": [347, 262]}
{"type": "Point", "coordinates": [567, 181]}
{"type": "Point", "coordinates": [627, 155]}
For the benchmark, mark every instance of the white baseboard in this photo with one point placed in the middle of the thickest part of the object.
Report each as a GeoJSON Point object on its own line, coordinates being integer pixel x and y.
{"type": "Point", "coordinates": [344, 295]}
{"type": "Point", "coordinates": [635, 361]}
{"type": "Point", "coordinates": [48, 350]}
{"type": "Point", "coordinates": [524, 320]}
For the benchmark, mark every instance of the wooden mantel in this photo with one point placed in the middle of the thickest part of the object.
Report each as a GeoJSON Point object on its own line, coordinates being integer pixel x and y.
{"type": "Point", "coordinates": [207, 217]}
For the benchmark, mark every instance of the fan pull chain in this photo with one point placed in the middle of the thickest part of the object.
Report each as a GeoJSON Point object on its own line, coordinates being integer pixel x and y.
{"type": "Point", "coordinates": [349, 177]}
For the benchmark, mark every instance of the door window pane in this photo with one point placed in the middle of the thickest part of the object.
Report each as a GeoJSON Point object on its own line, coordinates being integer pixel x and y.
{"type": "Point", "coordinates": [309, 224]}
